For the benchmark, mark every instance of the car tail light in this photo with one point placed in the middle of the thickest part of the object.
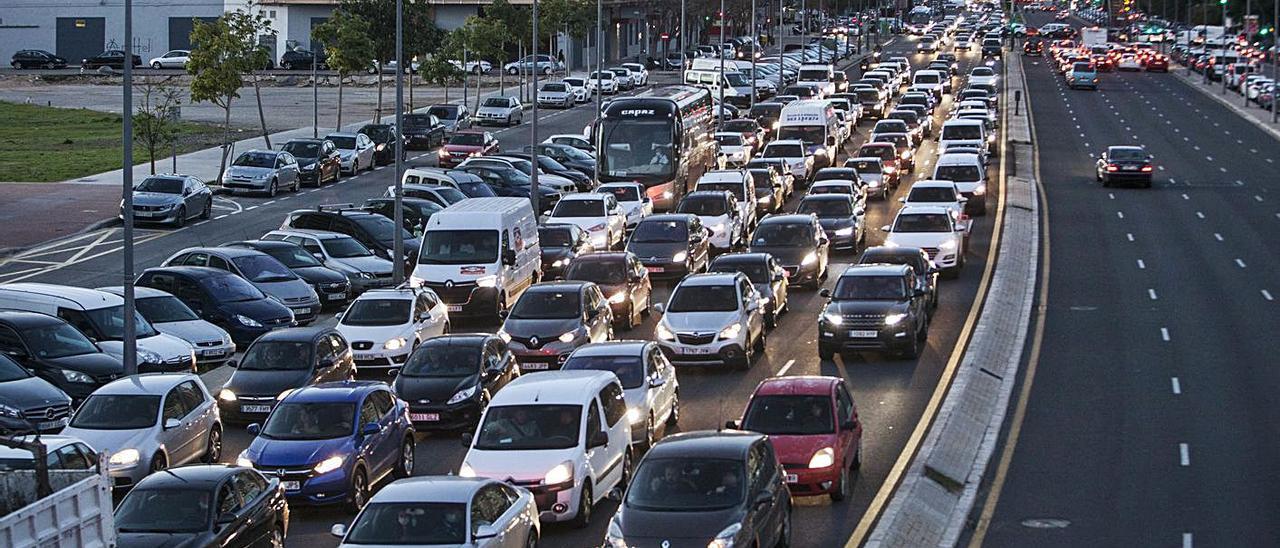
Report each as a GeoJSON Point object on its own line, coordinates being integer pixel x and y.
{"type": "Point", "coordinates": [1112, 167]}
{"type": "Point", "coordinates": [1146, 169]}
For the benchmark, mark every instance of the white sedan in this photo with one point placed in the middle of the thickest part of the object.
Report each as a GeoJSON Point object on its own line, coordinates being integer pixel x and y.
{"type": "Point", "coordinates": [599, 215]}
{"type": "Point", "coordinates": [385, 325]}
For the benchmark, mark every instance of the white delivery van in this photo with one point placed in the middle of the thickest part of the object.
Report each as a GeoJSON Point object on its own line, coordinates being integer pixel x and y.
{"type": "Point", "coordinates": [706, 73]}
{"type": "Point", "coordinates": [821, 75]}
{"type": "Point", "coordinates": [963, 132]}
{"type": "Point", "coordinates": [479, 255]}
{"type": "Point", "coordinates": [815, 123]}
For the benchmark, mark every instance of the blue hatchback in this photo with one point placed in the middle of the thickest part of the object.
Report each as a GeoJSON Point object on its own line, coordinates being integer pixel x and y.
{"type": "Point", "coordinates": [330, 443]}
{"type": "Point", "coordinates": [1083, 75]}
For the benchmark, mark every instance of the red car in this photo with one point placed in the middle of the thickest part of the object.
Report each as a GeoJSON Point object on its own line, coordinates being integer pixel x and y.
{"type": "Point", "coordinates": [464, 144]}
{"type": "Point", "coordinates": [1157, 63]}
{"type": "Point", "coordinates": [813, 424]}
{"type": "Point", "coordinates": [888, 154]}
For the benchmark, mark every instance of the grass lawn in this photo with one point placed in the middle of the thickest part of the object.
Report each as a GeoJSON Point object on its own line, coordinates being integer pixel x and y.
{"type": "Point", "coordinates": [42, 144]}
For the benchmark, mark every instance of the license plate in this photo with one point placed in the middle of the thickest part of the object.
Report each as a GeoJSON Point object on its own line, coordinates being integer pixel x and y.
{"type": "Point", "coordinates": [302, 311]}
{"type": "Point", "coordinates": [336, 296]}
{"type": "Point", "coordinates": [290, 485]}
{"type": "Point", "coordinates": [49, 425]}
{"type": "Point", "coordinates": [255, 408]}
{"type": "Point", "coordinates": [791, 478]}
{"type": "Point", "coordinates": [213, 353]}
{"type": "Point", "coordinates": [1131, 168]}
{"type": "Point", "coordinates": [657, 269]}
{"type": "Point", "coordinates": [535, 366]}
{"type": "Point", "coordinates": [695, 350]}
{"type": "Point", "coordinates": [455, 308]}
{"type": "Point", "coordinates": [424, 417]}
{"type": "Point", "coordinates": [864, 334]}
{"type": "Point", "coordinates": [373, 356]}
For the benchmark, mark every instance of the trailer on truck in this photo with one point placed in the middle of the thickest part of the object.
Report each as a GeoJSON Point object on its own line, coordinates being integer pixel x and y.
{"type": "Point", "coordinates": [1093, 36]}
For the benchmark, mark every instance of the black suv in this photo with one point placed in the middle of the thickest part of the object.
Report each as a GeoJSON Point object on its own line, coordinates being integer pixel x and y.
{"type": "Point", "coordinates": [384, 142]}
{"type": "Point", "coordinates": [36, 58]}
{"type": "Point", "coordinates": [422, 131]}
{"type": "Point", "coordinates": [300, 59]}
{"type": "Point", "coordinates": [916, 258]}
{"type": "Point", "coordinates": [799, 243]}
{"type": "Point", "coordinates": [375, 231]}
{"type": "Point", "coordinates": [874, 307]}
{"type": "Point", "coordinates": [318, 160]}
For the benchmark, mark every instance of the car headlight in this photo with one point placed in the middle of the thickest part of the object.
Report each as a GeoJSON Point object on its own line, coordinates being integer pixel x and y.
{"type": "Point", "coordinates": [562, 473]}
{"type": "Point", "coordinates": [365, 275]}
{"type": "Point", "coordinates": [10, 411]}
{"type": "Point", "coordinates": [309, 167]}
{"type": "Point", "coordinates": [618, 298]}
{"type": "Point", "coordinates": [613, 537]}
{"type": "Point", "coordinates": [731, 332]}
{"type": "Point", "coordinates": [832, 318]}
{"type": "Point", "coordinates": [559, 263]}
{"type": "Point", "coordinates": [894, 319]}
{"type": "Point", "coordinates": [76, 376]}
{"type": "Point", "coordinates": [980, 190]}
{"type": "Point", "coordinates": [724, 539]}
{"type": "Point", "coordinates": [809, 259]}
{"type": "Point", "coordinates": [846, 231]}
{"type": "Point", "coordinates": [244, 461]}
{"type": "Point", "coordinates": [247, 321]}
{"type": "Point", "coordinates": [261, 177]}
{"type": "Point", "coordinates": [464, 394]}
{"type": "Point", "coordinates": [330, 464]}
{"type": "Point", "coordinates": [764, 199]}
{"type": "Point", "coordinates": [487, 281]}
{"type": "Point", "coordinates": [569, 336]}
{"type": "Point", "coordinates": [125, 458]}
{"type": "Point", "coordinates": [664, 333]}
{"type": "Point", "coordinates": [148, 356]}
{"type": "Point", "coordinates": [947, 245]}
{"type": "Point", "coordinates": [227, 395]}
{"type": "Point", "coordinates": [890, 169]}
{"type": "Point", "coordinates": [823, 458]}
{"type": "Point", "coordinates": [679, 257]}
{"type": "Point", "coordinates": [394, 344]}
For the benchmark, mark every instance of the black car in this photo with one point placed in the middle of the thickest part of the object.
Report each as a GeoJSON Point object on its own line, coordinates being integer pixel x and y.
{"type": "Point", "coordinates": [798, 243]}
{"type": "Point", "coordinates": [547, 164]}
{"type": "Point", "coordinates": [301, 59]}
{"type": "Point", "coordinates": [318, 160]}
{"type": "Point", "coordinates": [509, 181]}
{"type": "Point", "coordinates": [721, 488]}
{"type": "Point", "coordinates": [221, 298]}
{"type": "Point", "coordinates": [414, 212]}
{"type": "Point", "coordinates": [53, 350]}
{"type": "Point", "coordinates": [282, 360]}
{"type": "Point", "coordinates": [916, 258]}
{"type": "Point", "coordinates": [36, 58]}
{"type": "Point", "coordinates": [1124, 164]}
{"type": "Point", "coordinates": [841, 217]}
{"type": "Point", "coordinates": [770, 194]}
{"type": "Point", "coordinates": [561, 244]}
{"type": "Point", "coordinates": [567, 156]}
{"type": "Point", "coordinates": [370, 229]}
{"type": "Point", "coordinates": [623, 280]}
{"type": "Point", "coordinates": [767, 115]}
{"type": "Point", "coordinates": [448, 380]}
{"type": "Point", "coordinates": [671, 245]}
{"type": "Point", "coordinates": [874, 307]}
{"type": "Point", "coordinates": [331, 286]}
{"type": "Point", "coordinates": [113, 58]}
{"type": "Point", "coordinates": [204, 505]}
{"type": "Point", "coordinates": [766, 274]}
{"type": "Point", "coordinates": [384, 142]}
{"type": "Point", "coordinates": [29, 403]}
{"type": "Point", "coordinates": [422, 131]}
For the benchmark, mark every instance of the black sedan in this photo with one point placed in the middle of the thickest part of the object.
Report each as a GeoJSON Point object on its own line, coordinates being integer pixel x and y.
{"type": "Point", "coordinates": [55, 351]}
{"type": "Point", "coordinates": [300, 59]}
{"type": "Point", "coordinates": [205, 505]}
{"type": "Point", "coordinates": [671, 245]}
{"type": "Point", "coordinates": [384, 142]}
{"type": "Point", "coordinates": [113, 58]}
{"type": "Point", "coordinates": [568, 156]}
{"type": "Point", "coordinates": [766, 274]}
{"type": "Point", "coordinates": [29, 403]}
{"type": "Point", "coordinates": [281, 360]}
{"type": "Point", "coordinates": [1125, 164]}
{"type": "Point", "coordinates": [799, 243]}
{"type": "Point", "coordinates": [448, 380]}
{"type": "Point", "coordinates": [331, 286]}
{"type": "Point", "coordinates": [561, 244]}
{"type": "Point", "coordinates": [36, 58]}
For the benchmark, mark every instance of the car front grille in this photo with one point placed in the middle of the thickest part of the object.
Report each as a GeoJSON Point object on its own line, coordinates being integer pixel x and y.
{"type": "Point", "coordinates": [148, 208]}
{"type": "Point", "coordinates": [361, 345]}
{"type": "Point", "coordinates": [460, 293]}
{"type": "Point", "coordinates": [863, 320]}
{"type": "Point", "coordinates": [930, 251]}
{"type": "Point", "coordinates": [208, 344]}
{"type": "Point", "coordinates": [695, 338]}
{"type": "Point", "coordinates": [297, 300]}
{"type": "Point", "coordinates": [47, 413]}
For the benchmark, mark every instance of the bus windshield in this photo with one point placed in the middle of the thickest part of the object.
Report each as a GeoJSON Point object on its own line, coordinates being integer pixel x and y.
{"type": "Point", "coordinates": [637, 148]}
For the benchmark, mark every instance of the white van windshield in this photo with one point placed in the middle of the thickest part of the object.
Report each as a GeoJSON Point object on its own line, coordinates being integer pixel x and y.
{"type": "Point", "coordinates": [965, 132]}
{"type": "Point", "coordinates": [459, 247]}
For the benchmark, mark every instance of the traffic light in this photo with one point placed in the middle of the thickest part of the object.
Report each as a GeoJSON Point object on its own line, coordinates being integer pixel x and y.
{"type": "Point", "coordinates": [1222, 2]}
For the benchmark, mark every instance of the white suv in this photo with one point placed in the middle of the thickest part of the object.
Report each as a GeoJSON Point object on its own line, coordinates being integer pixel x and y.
{"type": "Point", "coordinates": [796, 154]}
{"type": "Point", "coordinates": [562, 434]}
{"type": "Point", "coordinates": [934, 229]}
{"type": "Point", "coordinates": [712, 318]}
{"type": "Point", "coordinates": [939, 193]}
{"type": "Point", "coordinates": [385, 325]}
{"type": "Point", "coordinates": [597, 214]}
{"type": "Point", "coordinates": [636, 204]}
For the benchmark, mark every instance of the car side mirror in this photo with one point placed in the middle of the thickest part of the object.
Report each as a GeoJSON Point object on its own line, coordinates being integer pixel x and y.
{"type": "Point", "coordinates": [465, 438]}
{"type": "Point", "coordinates": [885, 228]}
{"type": "Point", "coordinates": [824, 293]}
{"type": "Point", "coordinates": [508, 257]}
{"type": "Point", "coordinates": [733, 425]}
{"type": "Point", "coordinates": [848, 425]}
{"type": "Point", "coordinates": [370, 429]}
{"type": "Point", "coordinates": [502, 314]}
{"type": "Point", "coordinates": [485, 531]}
{"type": "Point", "coordinates": [902, 200]}
{"type": "Point", "coordinates": [659, 308]}
{"type": "Point", "coordinates": [253, 429]}
{"type": "Point", "coordinates": [186, 192]}
{"type": "Point", "coordinates": [598, 439]}
{"type": "Point", "coordinates": [656, 381]}
{"type": "Point", "coordinates": [338, 530]}
{"type": "Point", "coordinates": [170, 424]}
{"type": "Point", "coordinates": [233, 364]}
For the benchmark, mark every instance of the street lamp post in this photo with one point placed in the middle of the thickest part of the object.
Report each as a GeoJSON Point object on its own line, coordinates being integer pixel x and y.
{"type": "Point", "coordinates": [595, 125]}
{"type": "Point", "coordinates": [130, 349]}
{"type": "Point", "coordinates": [397, 265]}
{"type": "Point", "coordinates": [723, 81]}
{"type": "Point", "coordinates": [1223, 3]}
{"type": "Point", "coordinates": [755, 36]}
{"type": "Point", "coordinates": [781, 65]}
{"type": "Point", "coordinates": [533, 128]}
{"type": "Point", "coordinates": [315, 94]}
{"type": "Point", "coordinates": [1275, 53]}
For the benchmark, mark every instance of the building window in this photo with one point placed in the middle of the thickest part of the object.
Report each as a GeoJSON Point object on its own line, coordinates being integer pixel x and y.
{"type": "Point", "coordinates": [271, 14]}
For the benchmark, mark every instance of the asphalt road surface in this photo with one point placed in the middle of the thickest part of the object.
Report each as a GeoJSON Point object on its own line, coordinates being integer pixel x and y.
{"type": "Point", "coordinates": [1151, 419]}
{"type": "Point", "coordinates": [891, 394]}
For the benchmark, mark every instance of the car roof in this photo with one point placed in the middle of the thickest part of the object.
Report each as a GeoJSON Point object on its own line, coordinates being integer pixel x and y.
{"type": "Point", "coordinates": [83, 296]}
{"type": "Point", "coordinates": [710, 278]}
{"type": "Point", "coordinates": [740, 258]}
{"type": "Point", "coordinates": [731, 175]}
{"type": "Point", "coordinates": [294, 334]}
{"type": "Point", "coordinates": [876, 269]}
{"type": "Point", "coordinates": [318, 234]}
{"type": "Point", "coordinates": [23, 319]}
{"type": "Point", "coordinates": [199, 272]}
{"type": "Point", "coordinates": [340, 134]}
{"type": "Point", "coordinates": [139, 291]}
{"type": "Point", "coordinates": [454, 489]}
{"type": "Point", "coordinates": [612, 348]}
{"type": "Point", "coordinates": [958, 158]}
{"type": "Point", "coordinates": [336, 392]}
{"type": "Point", "coordinates": [186, 477]}
{"type": "Point", "coordinates": [560, 285]}
{"type": "Point", "coordinates": [927, 183]}
{"type": "Point", "coordinates": [706, 443]}
{"type": "Point", "coordinates": [52, 442]}
{"type": "Point", "coordinates": [827, 197]}
{"type": "Point", "coordinates": [144, 384]}
{"type": "Point", "coordinates": [668, 217]}
{"type": "Point", "coordinates": [585, 196]}
{"type": "Point", "coordinates": [710, 193]}
{"type": "Point", "coordinates": [788, 218]}
{"type": "Point", "coordinates": [808, 385]}
{"type": "Point", "coordinates": [1119, 148]}
{"type": "Point", "coordinates": [232, 252]}
{"type": "Point", "coordinates": [553, 387]}
{"type": "Point", "coordinates": [603, 256]}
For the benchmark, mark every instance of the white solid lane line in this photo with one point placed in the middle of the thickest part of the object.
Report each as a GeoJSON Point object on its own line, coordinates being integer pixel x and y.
{"type": "Point", "coordinates": [1184, 454]}
{"type": "Point", "coordinates": [1176, 385]}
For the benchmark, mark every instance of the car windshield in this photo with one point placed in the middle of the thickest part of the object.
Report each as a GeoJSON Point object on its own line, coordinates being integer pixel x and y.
{"type": "Point", "coordinates": [529, 427]}
{"type": "Point", "coordinates": [687, 484]}
{"type": "Point", "coordinates": [476, 190]}
{"type": "Point", "coordinates": [11, 371]}
{"type": "Point", "coordinates": [769, 111]}
{"type": "Point", "coordinates": [982, 71]}
{"type": "Point", "coordinates": [345, 248]}
{"type": "Point", "coordinates": [922, 222]}
{"type": "Point", "coordinates": [410, 523]}
{"type": "Point", "coordinates": [958, 173]}
{"type": "Point", "coordinates": [601, 271]}
{"type": "Point", "coordinates": [736, 79]}
{"type": "Point", "coordinates": [865, 166]}
{"type": "Point", "coordinates": [291, 256]}
{"type": "Point", "coordinates": [109, 323]}
{"type": "Point", "coordinates": [743, 126]}
{"type": "Point", "coordinates": [789, 415]}
{"type": "Point", "coordinates": [554, 87]}
{"type": "Point", "coordinates": [459, 247]}
{"type": "Point", "coordinates": [467, 139]}
{"type": "Point", "coordinates": [762, 178]}
{"type": "Point", "coordinates": [441, 359]}
{"type": "Point", "coordinates": [782, 234]}
{"type": "Point", "coordinates": [1082, 67]}
{"type": "Point", "coordinates": [622, 193]}
{"type": "Point", "coordinates": [230, 288]}
{"type": "Point", "coordinates": [579, 208]}
{"type": "Point", "coordinates": [931, 194]}
{"type": "Point", "coordinates": [345, 143]}
{"type": "Point", "coordinates": [263, 269]}
{"type": "Point", "coordinates": [117, 412]}
{"type": "Point", "coordinates": [439, 111]}
{"type": "Point", "coordinates": [1127, 155]}
{"type": "Point", "coordinates": [276, 356]}
{"type": "Point", "coordinates": [164, 309]}
{"type": "Point", "coordinates": [381, 228]}
{"type": "Point", "coordinates": [826, 208]}
{"type": "Point", "coordinates": [810, 75]}
{"type": "Point", "coordinates": [555, 237]}
{"type": "Point", "coordinates": [500, 102]}
{"type": "Point", "coordinates": [310, 421]}
{"type": "Point", "coordinates": [969, 132]}
{"type": "Point", "coordinates": [705, 206]}
{"type": "Point", "coordinates": [548, 304]}
{"type": "Point", "coordinates": [729, 140]}
{"type": "Point", "coordinates": [870, 288]}
{"type": "Point", "coordinates": [756, 271]}
{"type": "Point", "coordinates": [59, 340]}
{"type": "Point", "coordinates": [652, 232]}
{"type": "Point", "coordinates": [783, 151]}
{"type": "Point", "coordinates": [379, 133]}
{"type": "Point", "coordinates": [165, 511]}
{"type": "Point", "coordinates": [377, 312]}
{"type": "Point", "coordinates": [302, 149]}
{"type": "Point", "coordinates": [704, 298]}
{"type": "Point", "coordinates": [629, 369]}
{"type": "Point", "coordinates": [255, 159]}
{"type": "Point", "coordinates": [890, 126]}
{"type": "Point", "coordinates": [868, 95]}
{"type": "Point", "coordinates": [810, 135]}
{"type": "Point", "coordinates": [162, 185]}
{"type": "Point", "coordinates": [575, 82]}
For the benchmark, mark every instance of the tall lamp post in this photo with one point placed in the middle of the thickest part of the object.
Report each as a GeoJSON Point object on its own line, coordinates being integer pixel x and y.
{"type": "Point", "coordinates": [723, 82]}
{"type": "Point", "coordinates": [781, 65]}
{"type": "Point", "coordinates": [600, 66]}
{"type": "Point", "coordinates": [1223, 3]}
{"type": "Point", "coordinates": [1275, 53]}
{"type": "Point", "coordinates": [130, 329]}
{"type": "Point", "coordinates": [755, 36]}
{"type": "Point", "coordinates": [397, 266]}
{"type": "Point", "coordinates": [533, 128]}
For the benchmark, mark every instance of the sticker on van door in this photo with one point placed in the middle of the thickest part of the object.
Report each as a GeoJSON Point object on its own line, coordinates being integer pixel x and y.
{"type": "Point", "coordinates": [472, 270]}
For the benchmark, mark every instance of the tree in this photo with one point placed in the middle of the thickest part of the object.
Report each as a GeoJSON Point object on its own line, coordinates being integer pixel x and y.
{"type": "Point", "coordinates": [481, 37]}
{"type": "Point", "coordinates": [381, 17]}
{"type": "Point", "coordinates": [155, 120]}
{"type": "Point", "coordinates": [246, 26]}
{"type": "Point", "coordinates": [215, 72]}
{"type": "Point", "coordinates": [346, 47]}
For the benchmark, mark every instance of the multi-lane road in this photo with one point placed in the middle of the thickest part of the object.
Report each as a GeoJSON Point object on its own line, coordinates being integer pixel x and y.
{"type": "Point", "coordinates": [891, 394]}
{"type": "Point", "coordinates": [1150, 419]}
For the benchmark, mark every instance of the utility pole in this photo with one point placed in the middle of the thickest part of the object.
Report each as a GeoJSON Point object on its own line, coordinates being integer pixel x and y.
{"type": "Point", "coordinates": [1223, 3]}
{"type": "Point", "coordinates": [1275, 59]}
{"type": "Point", "coordinates": [533, 128]}
{"type": "Point", "coordinates": [804, 33]}
{"type": "Point", "coordinates": [397, 265]}
{"type": "Point", "coordinates": [130, 328]}
{"type": "Point", "coordinates": [755, 36]}
{"type": "Point", "coordinates": [682, 44]}
{"type": "Point", "coordinates": [781, 65]}
{"type": "Point", "coordinates": [723, 81]}
{"type": "Point", "coordinates": [315, 94]}
{"type": "Point", "coordinates": [599, 66]}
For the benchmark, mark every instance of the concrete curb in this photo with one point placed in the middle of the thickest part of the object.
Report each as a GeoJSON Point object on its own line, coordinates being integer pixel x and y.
{"type": "Point", "coordinates": [1248, 115]}
{"type": "Point", "coordinates": [938, 491]}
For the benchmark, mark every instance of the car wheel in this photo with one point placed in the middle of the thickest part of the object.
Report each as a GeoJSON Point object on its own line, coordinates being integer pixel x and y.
{"type": "Point", "coordinates": [674, 418]}
{"type": "Point", "coordinates": [156, 65]}
{"type": "Point", "coordinates": [842, 487]}
{"type": "Point", "coordinates": [547, 71]}
{"type": "Point", "coordinates": [784, 536]}
{"type": "Point", "coordinates": [271, 189]}
{"type": "Point", "coordinates": [297, 185]}
{"type": "Point", "coordinates": [650, 428]}
{"type": "Point", "coordinates": [287, 65]}
{"type": "Point", "coordinates": [771, 319]}
{"type": "Point", "coordinates": [359, 491]}
{"type": "Point", "coordinates": [912, 350]}
{"type": "Point", "coordinates": [404, 468]}
{"type": "Point", "coordinates": [583, 519]}
{"type": "Point", "coordinates": [760, 342]}
{"type": "Point", "coordinates": [158, 463]}
{"type": "Point", "coordinates": [208, 209]}
{"type": "Point", "coordinates": [826, 352]}
{"type": "Point", "coordinates": [630, 322]}
{"type": "Point", "coordinates": [213, 447]}
{"type": "Point", "coordinates": [648, 304]}
{"type": "Point", "coordinates": [180, 220]}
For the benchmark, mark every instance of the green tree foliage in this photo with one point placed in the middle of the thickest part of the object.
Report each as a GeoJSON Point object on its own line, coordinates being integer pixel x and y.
{"type": "Point", "coordinates": [346, 45]}
{"type": "Point", "coordinates": [216, 71]}
{"type": "Point", "coordinates": [155, 118]}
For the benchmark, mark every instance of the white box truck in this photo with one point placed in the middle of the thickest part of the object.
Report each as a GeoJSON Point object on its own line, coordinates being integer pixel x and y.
{"type": "Point", "coordinates": [78, 515]}
{"type": "Point", "coordinates": [1093, 36]}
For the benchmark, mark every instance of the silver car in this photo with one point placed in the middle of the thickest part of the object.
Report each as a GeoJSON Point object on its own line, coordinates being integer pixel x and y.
{"type": "Point", "coordinates": [172, 317]}
{"type": "Point", "coordinates": [506, 111]}
{"type": "Point", "coordinates": [649, 385]}
{"type": "Point", "coordinates": [556, 94]}
{"type": "Point", "coordinates": [355, 150]}
{"type": "Point", "coordinates": [342, 253]}
{"type": "Point", "coordinates": [266, 273]}
{"type": "Point", "coordinates": [147, 423]}
{"type": "Point", "coordinates": [501, 514]}
{"type": "Point", "coordinates": [170, 199]}
{"type": "Point", "coordinates": [262, 171]}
